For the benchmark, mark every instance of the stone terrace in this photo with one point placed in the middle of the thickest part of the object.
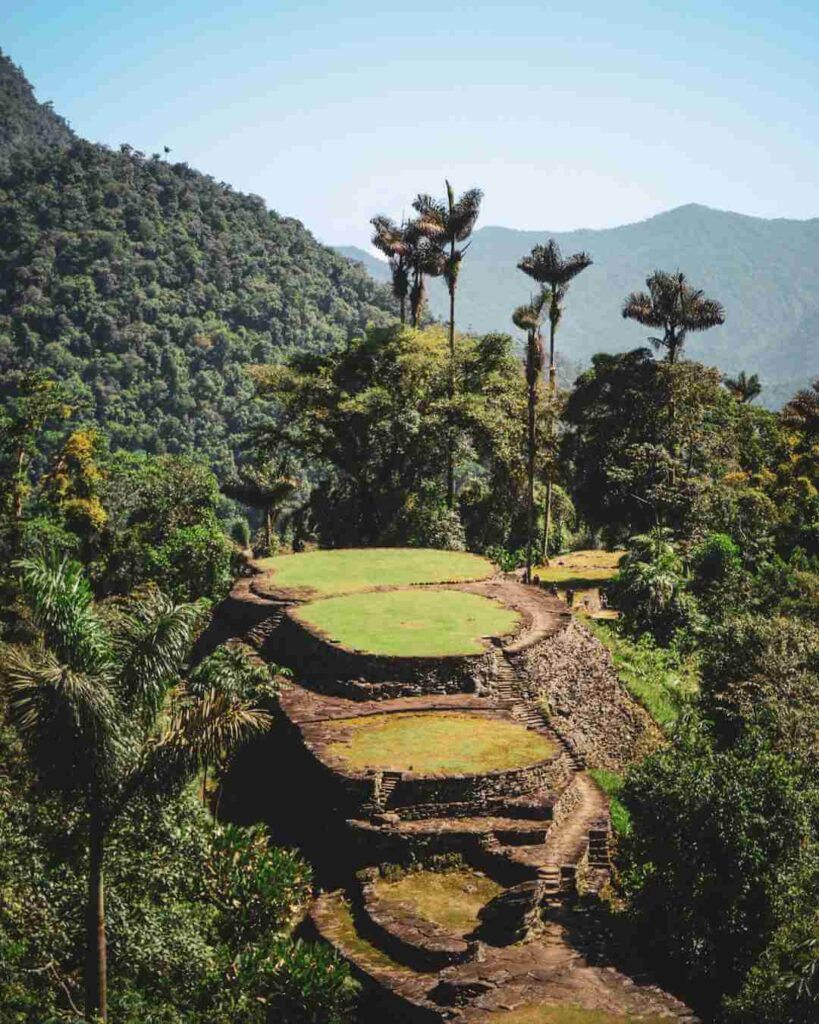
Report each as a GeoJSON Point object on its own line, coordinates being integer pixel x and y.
{"type": "Point", "coordinates": [541, 831]}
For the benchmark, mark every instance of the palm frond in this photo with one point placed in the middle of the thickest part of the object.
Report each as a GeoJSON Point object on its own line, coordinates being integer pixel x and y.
{"type": "Point", "coordinates": [547, 264]}
{"type": "Point", "coordinates": [152, 638]}
{"type": "Point", "coordinates": [61, 604]}
{"type": "Point", "coordinates": [211, 726]}
{"type": "Point", "coordinates": [65, 716]}
{"type": "Point", "coordinates": [640, 307]}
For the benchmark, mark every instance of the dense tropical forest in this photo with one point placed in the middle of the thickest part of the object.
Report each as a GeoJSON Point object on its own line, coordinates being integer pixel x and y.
{"type": "Point", "coordinates": [189, 380]}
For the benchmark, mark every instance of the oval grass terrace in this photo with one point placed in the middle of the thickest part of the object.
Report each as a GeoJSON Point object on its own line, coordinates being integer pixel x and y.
{"type": "Point", "coordinates": [437, 743]}
{"type": "Point", "coordinates": [312, 574]}
{"type": "Point", "coordinates": [411, 623]}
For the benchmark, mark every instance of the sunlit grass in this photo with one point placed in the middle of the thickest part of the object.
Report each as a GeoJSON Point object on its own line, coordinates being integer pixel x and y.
{"type": "Point", "coordinates": [581, 570]}
{"type": "Point", "coordinates": [451, 899]}
{"type": "Point", "coordinates": [442, 742]}
{"type": "Point", "coordinates": [410, 623]}
{"type": "Point", "coordinates": [541, 1014]}
{"type": "Point", "coordinates": [347, 570]}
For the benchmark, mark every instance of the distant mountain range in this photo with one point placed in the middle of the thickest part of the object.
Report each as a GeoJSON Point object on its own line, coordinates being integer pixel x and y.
{"type": "Point", "coordinates": [763, 271]}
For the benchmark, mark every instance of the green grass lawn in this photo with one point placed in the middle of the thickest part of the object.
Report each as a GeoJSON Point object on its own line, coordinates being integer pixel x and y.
{"type": "Point", "coordinates": [541, 1014]}
{"type": "Point", "coordinates": [348, 570]}
{"type": "Point", "coordinates": [451, 899]}
{"type": "Point", "coordinates": [437, 742]}
{"type": "Point", "coordinates": [410, 623]}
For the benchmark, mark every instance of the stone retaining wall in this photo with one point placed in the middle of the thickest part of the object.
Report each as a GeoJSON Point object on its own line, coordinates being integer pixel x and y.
{"type": "Point", "coordinates": [412, 940]}
{"type": "Point", "coordinates": [480, 791]}
{"type": "Point", "coordinates": [573, 671]}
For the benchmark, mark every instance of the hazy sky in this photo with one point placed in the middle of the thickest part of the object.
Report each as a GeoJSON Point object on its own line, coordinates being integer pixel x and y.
{"type": "Point", "coordinates": [568, 114]}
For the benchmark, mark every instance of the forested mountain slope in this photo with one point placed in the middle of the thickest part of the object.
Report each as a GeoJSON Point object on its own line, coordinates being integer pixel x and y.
{"type": "Point", "coordinates": [149, 285]}
{"type": "Point", "coordinates": [24, 121]}
{"type": "Point", "coordinates": [763, 271]}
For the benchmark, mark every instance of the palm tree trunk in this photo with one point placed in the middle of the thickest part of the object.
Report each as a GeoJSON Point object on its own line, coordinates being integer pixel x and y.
{"type": "Point", "coordinates": [450, 455]}
{"type": "Point", "coordinates": [530, 464]}
{"type": "Point", "coordinates": [547, 523]}
{"type": "Point", "coordinates": [96, 970]}
{"type": "Point", "coordinates": [403, 302]}
{"type": "Point", "coordinates": [268, 530]}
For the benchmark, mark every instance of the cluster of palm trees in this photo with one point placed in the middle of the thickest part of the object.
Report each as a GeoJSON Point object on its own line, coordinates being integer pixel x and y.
{"type": "Point", "coordinates": [430, 245]}
{"type": "Point", "coordinates": [111, 712]}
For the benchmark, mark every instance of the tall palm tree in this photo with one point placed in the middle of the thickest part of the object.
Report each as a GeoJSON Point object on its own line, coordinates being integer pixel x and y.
{"type": "Point", "coordinates": [106, 715]}
{"type": "Point", "coordinates": [447, 223]}
{"type": "Point", "coordinates": [547, 265]}
{"type": "Point", "coordinates": [529, 318]}
{"type": "Point", "coordinates": [389, 238]}
{"type": "Point", "coordinates": [672, 305]}
{"type": "Point", "coordinates": [425, 259]}
{"type": "Point", "coordinates": [743, 387]}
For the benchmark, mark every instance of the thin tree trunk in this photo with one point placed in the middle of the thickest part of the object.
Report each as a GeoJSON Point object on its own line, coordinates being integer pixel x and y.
{"type": "Point", "coordinates": [530, 465]}
{"type": "Point", "coordinates": [268, 530]}
{"type": "Point", "coordinates": [450, 455]}
{"type": "Point", "coordinates": [96, 971]}
{"type": "Point", "coordinates": [403, 302]}
{"type": "Point", "coordinates": [205, 783]}
{"type": "Point", "coordinates": [547, 524]}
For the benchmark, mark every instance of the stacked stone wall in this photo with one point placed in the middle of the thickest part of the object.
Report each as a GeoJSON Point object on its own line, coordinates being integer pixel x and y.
{"type": "Point", "coordinates": [574, 674]}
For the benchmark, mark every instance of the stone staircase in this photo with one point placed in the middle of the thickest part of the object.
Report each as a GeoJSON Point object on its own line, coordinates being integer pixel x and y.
{"type": "Point", "coordinates": [389, 781]}
{"type": "Point", "coordinates": [258, 636]}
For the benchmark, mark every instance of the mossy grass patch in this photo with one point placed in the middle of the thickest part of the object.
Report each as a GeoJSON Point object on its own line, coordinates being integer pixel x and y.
{"type": "Point", "coordinates": [348, 570]}
{"type": "Point", "coordinates": [417, 622]}
{"type": "Point", "coordinates": [451, 899]}
{"type": "Point", "coordinates": [438, 743]}
{"type": "Point", "coordinates": [543, 1014]}
{"type": "Point", "coordinates": [581, 570]}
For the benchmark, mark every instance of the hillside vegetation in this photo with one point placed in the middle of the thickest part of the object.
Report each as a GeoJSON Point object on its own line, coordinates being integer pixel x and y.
{"type": "Point", "coordinates": [148, 285]}
{"type": "Point", "coordinates": [24, 121]}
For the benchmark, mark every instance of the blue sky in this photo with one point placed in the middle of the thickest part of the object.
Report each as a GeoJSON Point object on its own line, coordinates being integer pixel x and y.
{"type": "Point", "coordinates": [583, 114]}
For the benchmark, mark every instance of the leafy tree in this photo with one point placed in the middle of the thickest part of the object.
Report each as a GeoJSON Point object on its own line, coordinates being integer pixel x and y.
{"type": "Point", "coordinates": [650, 591]}
{"type": "Point", "coordinates": [675, 307]}
{"type": "Point", "coordinates": [105, 716]}
{"type": "Point", "coordinates": [802, 413]}
{"type": "Point", "coordinates": [372, 420]}
{"type": "Point", "coordinates": [744, 387]}
{"type": "Point", "coordinates": [37, 399]}
{"type": "Point", "coordinates": [448, 223]}
{"type": "Point", "coordinates": [714, 831]}
{"type": "Point", "coordinates": [547, 265]}
{"type": "Point", "coordinates": [267, 489]}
